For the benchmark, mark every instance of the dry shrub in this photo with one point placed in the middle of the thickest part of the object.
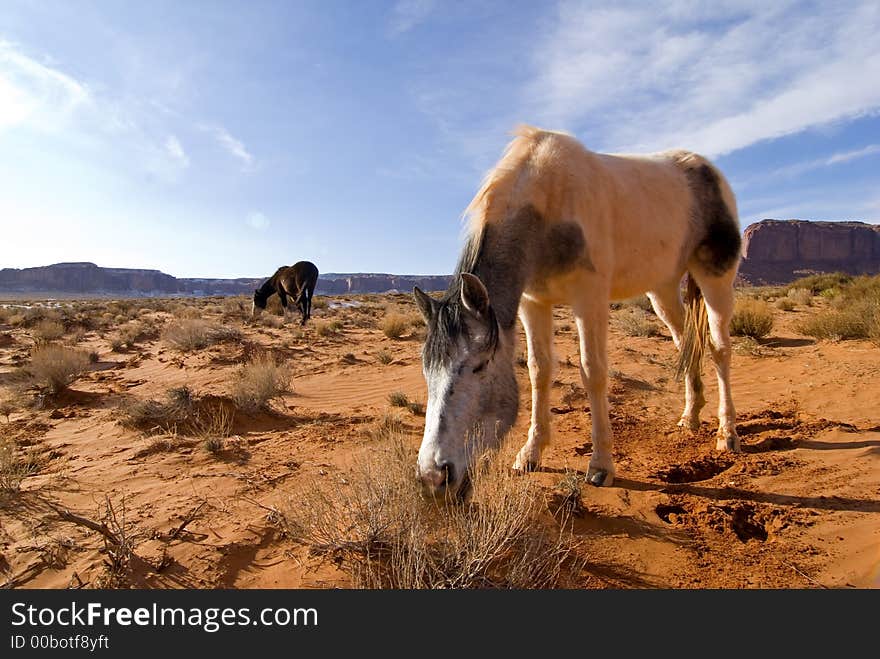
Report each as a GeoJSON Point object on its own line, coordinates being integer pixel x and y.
{"type": "Point", "coordinates": [47, 330]}
{"type": "Point", "coordinates": [14, 467]}
{"type": "Point", "coordinates": [259, 382]}
{"type": "Point", "coordinates": [378, 528]}
{"type": "Point", "coordinates": [384, 357]}
{"type": "Point", "coordinates": [236, 308]}
{"type": "Point", "coordinates": [785, 304]}
{"type": "Point", "coordinates": [398, 399]}
{"type": "Point", "coordinates": [634, 321]}
{"type": "Point", "coordinates": [854, 313]}
{"type": "Point", "coordinates": [329, 328]}
{"type": "Point", "coordinates": [839, 325]}
{"type": "Point", "coordinates": [416, 408]}
{"type": "Point", "coordinates": [803, 297]}
{"type": "Point", "coordinates": [819, 284]}
{"type": "Point", "coordinates": [271, 321]}
{"type": "Point", "coordinates": [642, 302]}
{"type": "Point", "coordinates": [180, 413]}
{"type": "Point", "coordinates": [56, 367]}
{"type": "Point", "coordinates": [752, 318]}
{"type": "Point", "coordinates": [195, 333]}
{"type": "Point", "coordinates": [177, 413]}
{"type": "Point", "coordinates": [395, 325]}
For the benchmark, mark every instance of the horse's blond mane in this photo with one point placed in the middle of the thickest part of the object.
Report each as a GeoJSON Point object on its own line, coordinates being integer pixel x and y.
{"type": "Point", "coordinates": [491, 200]}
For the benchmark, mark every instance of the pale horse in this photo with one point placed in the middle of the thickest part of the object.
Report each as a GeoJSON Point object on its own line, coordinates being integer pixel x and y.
{"type": "Point", "coordinates": [555, 223]}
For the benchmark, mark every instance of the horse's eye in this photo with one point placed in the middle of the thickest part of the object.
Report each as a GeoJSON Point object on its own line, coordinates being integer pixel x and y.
{"type": "Point", "coordinates": [479, 368]}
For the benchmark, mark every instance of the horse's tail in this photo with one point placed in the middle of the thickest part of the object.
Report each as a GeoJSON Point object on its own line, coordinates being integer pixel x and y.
{"type": "Point", "coordinates": [695, 336]}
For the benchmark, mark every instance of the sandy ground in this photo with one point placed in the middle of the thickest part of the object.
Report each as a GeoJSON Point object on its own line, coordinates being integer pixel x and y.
{"type": "Point", "coordinates": [799, 508]}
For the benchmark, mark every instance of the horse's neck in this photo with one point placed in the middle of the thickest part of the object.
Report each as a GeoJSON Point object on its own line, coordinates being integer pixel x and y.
{"type": "Point", "coordinates": [502, 264]}
{"type": "Point", "coordinates": [269, 286]}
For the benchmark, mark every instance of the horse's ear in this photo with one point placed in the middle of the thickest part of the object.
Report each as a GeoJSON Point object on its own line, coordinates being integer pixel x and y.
{"type": "Point", "coordinates": [424, 302]}
{"type": "Point", "coordinates": [474, 295]}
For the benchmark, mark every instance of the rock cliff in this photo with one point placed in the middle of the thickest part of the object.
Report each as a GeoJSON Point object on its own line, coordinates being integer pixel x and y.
{"type": "Point", "coordinates": [90, 279]}
{"type": "Point", "coordinates": [779, 251]}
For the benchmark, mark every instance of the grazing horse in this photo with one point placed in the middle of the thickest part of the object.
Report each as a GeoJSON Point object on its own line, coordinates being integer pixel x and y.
{"type": "Point", "coordinates": [296, 281]}
{"type": "Point", "coordinates": [554, 223]}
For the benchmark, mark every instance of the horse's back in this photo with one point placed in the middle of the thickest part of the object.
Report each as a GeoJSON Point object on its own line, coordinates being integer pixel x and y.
{"type": "Point", "coordinates": [639, 213]}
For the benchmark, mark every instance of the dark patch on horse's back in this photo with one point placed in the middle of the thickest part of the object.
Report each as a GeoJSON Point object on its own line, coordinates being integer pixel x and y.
{"type": "Point", "coordinates": [719, 247]}
{"type": "Point", "coordinates": [565, 248]}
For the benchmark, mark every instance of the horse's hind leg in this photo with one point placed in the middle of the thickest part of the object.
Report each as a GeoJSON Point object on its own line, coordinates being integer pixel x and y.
{"type": "Point", "coordinates": [592, 324]}
{"type": "Point", "coordinates": [666, 301]}
{"type": "Point", "coordinates": [537, 320]}
{"type": "Point", "coordinates": [718, 296]}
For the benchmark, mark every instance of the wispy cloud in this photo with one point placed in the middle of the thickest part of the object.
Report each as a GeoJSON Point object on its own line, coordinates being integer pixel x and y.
{"type": "Point", "coordinates": [798, 168]}
{"type": "Point", "coordinates": [715, 79]}
{"type": "Point", "coordinates": [230, 144]}
{"type": "Point", "coordinates": [175, 151]}
{"type": "Point", "coordinates": [257, 220]}
{"type": "Point", "coordinates": [34, 93]}
{"type": "Point", "coordinates": [407, 14]}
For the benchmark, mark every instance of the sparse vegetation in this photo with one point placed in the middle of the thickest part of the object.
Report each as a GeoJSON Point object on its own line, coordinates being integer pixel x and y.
{"type": "Point", "coordinates": [416, 408]}
{"type": "Point", "coordinates": [854, 313]}
{"type": "Point", "coordinates": [195, 333]}
{"type": "Point", "coordinates": [398, 399]}
{"type": "Point", "coordinates": [378, 529]}
{"type": "Point", "coordinates": [324, 328]}
{"type": "Point", "coordinates": [384, 357]}
{"type": "Point", "coordinates": [47, 330]}
{"type": "Point", "coordinates": [56, 367]}
{"type": "Point", "coordinates": [802, 297]}
{"type": "Point", "coordinates": [785, 304]}
{"type": "Point", "coordinates": [14, 468]}
{"type": "Point", "coordinates": [633, 321]}
{"type": "Point", "coordinates": [259, 382]}
{"type": "Point", "coordinates": [395, 325]}
{"type": "Point", "coordinates": [822, 283]}
{"type": "Point", "coordinates": [752, 318]}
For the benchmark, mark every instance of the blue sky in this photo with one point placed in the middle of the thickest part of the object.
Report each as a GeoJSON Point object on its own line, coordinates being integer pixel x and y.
{"type": "Point", "coordinates": [223, 139]}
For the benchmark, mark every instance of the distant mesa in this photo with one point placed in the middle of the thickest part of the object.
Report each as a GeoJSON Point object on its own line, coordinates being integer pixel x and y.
{"type": "Point", "coordinates": [774, 252]}
{"type": "Point", "coordinates": [91, 279]}
{"type": "Point", "coordinates": [779, 251]}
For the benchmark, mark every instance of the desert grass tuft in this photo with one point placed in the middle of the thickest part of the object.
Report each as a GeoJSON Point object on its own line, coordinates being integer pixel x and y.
{"type": "Point", "coordinates": [752, 318]}
{"type": "Point", "coordinates": [259, 382]}
{"type": "Point", "coordinates": [634, 321]}
{"type": "Point", "coordinates": [376, 526]}
{"type": "Point", "coordinates": [55, 367]}
{"type": "Point", "coordinates": [395, 325]}
{"type": "Point", "coordinates": [398, 399]}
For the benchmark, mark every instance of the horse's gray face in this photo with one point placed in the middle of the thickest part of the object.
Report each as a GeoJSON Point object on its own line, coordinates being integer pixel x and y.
{"type": "Point", "coordinates": [472, 391]}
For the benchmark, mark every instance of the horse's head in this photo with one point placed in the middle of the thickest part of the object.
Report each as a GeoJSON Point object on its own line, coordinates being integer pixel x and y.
{"type": "Point", "coordinates": [259, 303]}
{"type": "Point", "coordinates": [472, 392]}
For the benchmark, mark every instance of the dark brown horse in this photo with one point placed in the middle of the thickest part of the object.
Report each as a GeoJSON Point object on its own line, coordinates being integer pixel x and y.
{"type": "Point", "coordinates": [296, 281]}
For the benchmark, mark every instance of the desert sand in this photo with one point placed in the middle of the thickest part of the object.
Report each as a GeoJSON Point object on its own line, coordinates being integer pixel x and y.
{"type": "Point", "coordinates": [798, 508]}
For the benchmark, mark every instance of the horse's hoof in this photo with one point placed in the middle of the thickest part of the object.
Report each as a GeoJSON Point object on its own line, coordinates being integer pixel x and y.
{"type": "Point", "coordinates": [730, 443]}
{"type": "Point", "coordinates": [688, 424]}
{"type": "Point", "coordinates": [531, 466]}
{"type": "Point", "coordinates": [599, 478]}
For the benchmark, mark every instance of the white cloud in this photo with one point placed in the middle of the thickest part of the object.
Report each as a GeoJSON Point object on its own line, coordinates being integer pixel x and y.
{"type": "Point", "coordinates": [36, 94]}
{"type": "Point", "coordinates": [175, 151]}
{"type": "Point", "coordinates": [407, 14]}
{"type": "Point", "coordinates": [230, 144]}
{"type": "Point", "coordinates": [641, 77]}
{"type": "Point", "coordinates": [796, 169]}
{"type": "Point", "coordinates": [257, 220]}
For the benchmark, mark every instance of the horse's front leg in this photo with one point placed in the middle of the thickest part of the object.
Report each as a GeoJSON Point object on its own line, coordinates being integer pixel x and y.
{"type": "Point", "coordinates": [592, 324]}
{"type": "Point", "coordinates": [537, 320]}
